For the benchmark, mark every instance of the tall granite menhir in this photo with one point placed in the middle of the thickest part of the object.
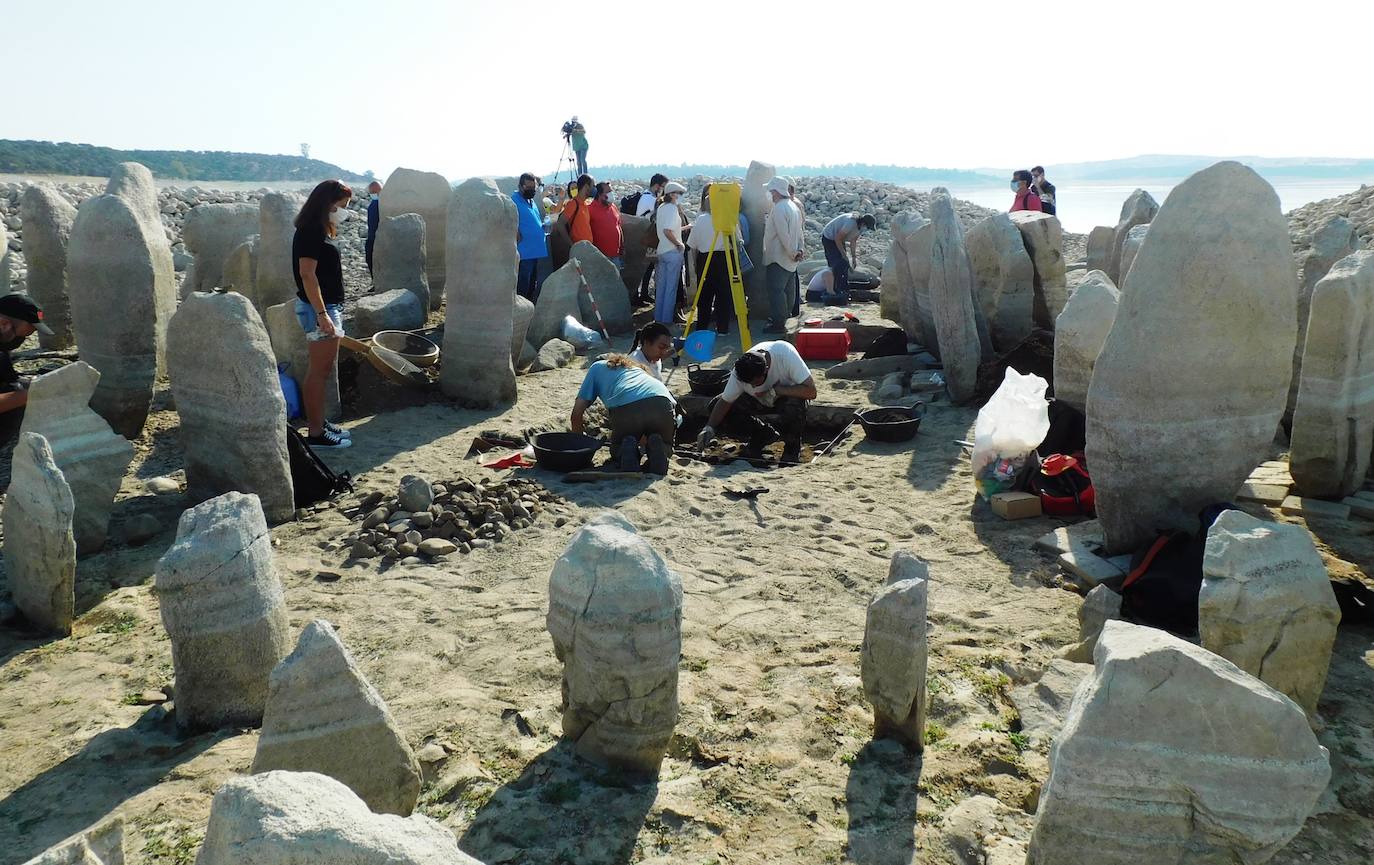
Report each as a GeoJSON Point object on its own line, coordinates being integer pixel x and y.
{"type": "Point", "coordinates": [123, 291]}
{"type": "Point", "coordinates": [275, 279]}
{"type": "Point", "coordinates": [1331, 242]}
{"type": "Point", "coordinates": [615, 615]}
{"type": "Point", "coordinates": [1139, 208]}
{"type": "Point", "coordinates": [893, 659]}
{"type": "Point", "coordinates": [48, 220]}
{"type": "Point", "coordinates": [1079, 332]}
{"type": "Point", "coordinates": [40, 555]}
{"type": "Point", "coordinates": [951, 297]}
{"type": "Point", "coordinates": [211, 232]}
{"type": "Point", "coordinates": [91, 456]}
{"type": "Point", "coordinates": [398, 261]}
{"type": "Point", "coordinates": [477, 325]}
{"type": "Point", "coordinates": [426, 193]}
{"type": "Point", "coordinates": [233, 416]}
{"type": "Point", "coordinates": [1197, 363]}
{"type": "Point", "coordinates": [223, 609]}
{"type": "Point", "coordinates": [1003, 279]}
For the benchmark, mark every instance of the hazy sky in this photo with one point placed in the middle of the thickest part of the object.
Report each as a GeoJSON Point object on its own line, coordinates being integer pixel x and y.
{"type": "Point", "coordinates": [481, 88]}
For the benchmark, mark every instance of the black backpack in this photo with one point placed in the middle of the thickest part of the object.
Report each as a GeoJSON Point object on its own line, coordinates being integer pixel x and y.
{"type": "Point", "coordinates": [630, 203]}
{"type": "Point", "coordinates": [312, 480]}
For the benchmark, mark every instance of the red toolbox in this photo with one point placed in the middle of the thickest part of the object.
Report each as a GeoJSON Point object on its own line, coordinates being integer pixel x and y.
{"type": "Point", "coordinates": [823, 343]}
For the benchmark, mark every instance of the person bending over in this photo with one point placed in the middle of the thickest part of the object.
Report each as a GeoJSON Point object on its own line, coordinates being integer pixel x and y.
{"type": "Point", "coordinates": [770, 378]}
{"type": "Point", "coordinates": [844, 230]}
{"type": "Point", "coordinates": [637, 405]}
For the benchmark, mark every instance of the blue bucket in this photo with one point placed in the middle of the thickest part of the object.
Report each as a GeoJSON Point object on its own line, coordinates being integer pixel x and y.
{"type": "Point", "coordinates": [700, 344]}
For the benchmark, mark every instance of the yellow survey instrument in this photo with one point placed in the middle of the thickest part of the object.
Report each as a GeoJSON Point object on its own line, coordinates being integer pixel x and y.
{"type": "Point", "coordinates": [724, 199]}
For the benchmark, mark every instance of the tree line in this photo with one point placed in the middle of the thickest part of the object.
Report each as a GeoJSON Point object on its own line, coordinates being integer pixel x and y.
{"type": "Point", "coordinates": [89, 160]}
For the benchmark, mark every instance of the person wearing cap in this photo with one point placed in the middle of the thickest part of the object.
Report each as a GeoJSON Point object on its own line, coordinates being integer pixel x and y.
{"type": "Point", "coordinates": [782, 250]}
{"type": "Point", "coordinates": [668, 223]}
{"type": "Point", "coordinates": [801, 217]}
{"type": "Point", "coordinates": [844, 230]}
{"type": "Point", "coordinates": [19, 317]}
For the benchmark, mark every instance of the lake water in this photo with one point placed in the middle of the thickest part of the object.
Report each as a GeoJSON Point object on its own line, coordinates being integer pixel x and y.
{"type": "Point", "coordinates": [1084, 205]}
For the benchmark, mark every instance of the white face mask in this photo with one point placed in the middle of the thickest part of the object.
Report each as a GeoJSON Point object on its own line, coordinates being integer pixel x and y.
{"type": "Point", "coordinates": [376, 196]}
{"type": "Point", "coordinates": [337, 216]}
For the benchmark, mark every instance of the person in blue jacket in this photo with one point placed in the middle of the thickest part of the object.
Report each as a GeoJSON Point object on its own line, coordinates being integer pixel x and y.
{"type": "Point", "coordinates": [529, 237]}
{"type": "Point", "coordinates": [374, 216]}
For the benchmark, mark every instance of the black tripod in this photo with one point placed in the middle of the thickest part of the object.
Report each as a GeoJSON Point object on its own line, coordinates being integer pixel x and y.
{"type": "Point", "coordinates": [565, 161]}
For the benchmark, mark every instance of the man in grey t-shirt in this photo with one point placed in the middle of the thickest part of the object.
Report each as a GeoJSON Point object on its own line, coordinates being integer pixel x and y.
{"type": "Point", "coordinates": [844, 230]}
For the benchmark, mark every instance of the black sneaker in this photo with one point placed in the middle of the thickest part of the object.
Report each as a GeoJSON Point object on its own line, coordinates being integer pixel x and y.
{"type": "Point", "coordinates": [791, 456]}
{"type": "Point", "coordinates": [629, 454]}
{"type": "Point", "coordinates": [328, 441]}
{"type": "Point", "coordinates": [337, 430]}
{"type": "Point", "coordinates": [658, 454]}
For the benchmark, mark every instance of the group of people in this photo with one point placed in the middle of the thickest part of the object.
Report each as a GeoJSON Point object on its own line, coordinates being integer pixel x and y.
{"type": "Point", "coordinates": [1032, 191]}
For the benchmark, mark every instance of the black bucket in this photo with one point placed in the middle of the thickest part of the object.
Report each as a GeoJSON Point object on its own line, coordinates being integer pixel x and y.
{"type": "Point", "coordinates": [706, 382]}
{"type": "Point", "coordinates": [892, 423]}
{"type": "Point", "coordinates": [564, 451]}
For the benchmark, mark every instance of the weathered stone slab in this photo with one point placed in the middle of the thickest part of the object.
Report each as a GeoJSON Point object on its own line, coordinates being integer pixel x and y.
{"type": "Point", "coordinates": [889, 304]}
{"type": "Point", "coordinates": [102, 844]}
{"type": "Point", "coordinates": [1100, 606]}
{"type": "Point", "coordinates": [478, 322]}
{"type": "Point", "coordinates": [615, 615]}
{"type": "Point", "coordinates": [1089, 568]}
{"type": "Point", "coordinates": [211, 232]}
{"type": "Point", "coordinates": [951, 295]}
{"type": "Point", "coordinates": [92, 457]}
{"type": "Point", "coordinates": [1044, 238]}
{"type": "Point", "coordinates": [1086, 536]}
{"type": "Point", "coordinates": [304, 818]}
{"type": "Point", "coordinates": [893, 665]}
{"type": "Point", "coordinates": [233, 416]}
{"type": "Point", "coordinates": [276, 278]}
{"type": "Point", "coordinates": [755, 204]}
{"type": "Point", "coordinates": [426, 193]}
{"type": "Point", "coordinates": [48, 220]}
{"type": "Point", "coordinates": [1134, 238]}
{"type": "Point", "coordinates": [1266, 604]}
{"type": "Point", "coordinates": [1143, 772]}
{"type": "Point", "coordinates": [521, 313]}
{"type": "Point", "coordinates": [397, 309]}
{"type": "Point", "coordinates": [1003, 279]}
{"type": "Point", "coordinates": [223, 609]}
{"type": "Point", "coordinates": [1315, 509]}
{"type": "Point", "coordinates": [635, 256]}
{"type": "Point", "coordinates": [1079, 332]}
{"type": "Point", "coordinates": [1147, 402]}
{"type": "Point", "coordinates": [905, 227]}
{"type": "Point", "coordinates": [1267, 494]}
{"type": "Point", "coordinates": [1100, 248]}
{"type": "Point", "coordinates": [40, 554]}
{"type": "Point", "coordinates": [240, 272]}
{"type": "Point", "coordinates": [1044, 704]}
{"type": "Point", "coordinates": [1333, 420]}
{"type": "Point", "coordinates": [1138, 209]}
{"type": "Point", "coordinates": [323, 715]}
{"type": "Point", "coordinates": [400, 257]}
{"type": "Point", "coordinates": [604, 279]}
{"type": "Point", "coordinates": [558, 298]}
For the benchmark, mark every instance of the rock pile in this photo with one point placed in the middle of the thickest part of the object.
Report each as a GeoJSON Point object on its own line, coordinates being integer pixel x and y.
{"type": "Point", "coordinates": [457, 516]}
{"type": "Point", "coordinates": [1357, 207]}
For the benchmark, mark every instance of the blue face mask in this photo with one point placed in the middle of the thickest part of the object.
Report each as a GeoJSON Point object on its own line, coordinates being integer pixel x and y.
{"type": "Point", "coordinates": [1016, 186]}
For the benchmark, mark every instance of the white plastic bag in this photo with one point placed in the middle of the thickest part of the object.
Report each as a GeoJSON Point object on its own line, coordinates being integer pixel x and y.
{"type": "Point", "coordinates": [579, 334]}
{"type": "Point", "coordinates": [1009, 427]}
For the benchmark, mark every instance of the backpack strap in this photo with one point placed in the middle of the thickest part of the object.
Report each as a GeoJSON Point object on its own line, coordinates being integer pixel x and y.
{"type": "Point", "coordinates": [1155, 549]}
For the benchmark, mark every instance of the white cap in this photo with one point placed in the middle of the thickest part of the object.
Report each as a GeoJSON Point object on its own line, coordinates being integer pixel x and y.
{"type": "Point", "coordinates": [673, 186]}
{"type": "Point", "coordinates": [778, 185]}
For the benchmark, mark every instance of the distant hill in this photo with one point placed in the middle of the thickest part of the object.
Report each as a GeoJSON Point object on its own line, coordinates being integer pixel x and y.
{"type": "Point", "coordinates": [882, 173]}
{"type": "Point", "coordinates": [1170, 166]}
{"type": "Point", "coordinates": [47, 157]}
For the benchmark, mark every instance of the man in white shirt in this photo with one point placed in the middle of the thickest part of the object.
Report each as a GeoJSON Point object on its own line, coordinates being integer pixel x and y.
{"type": "Point", "coordinates": [770, 378]}
{"type": "Point", "coordinates": [782, 244]}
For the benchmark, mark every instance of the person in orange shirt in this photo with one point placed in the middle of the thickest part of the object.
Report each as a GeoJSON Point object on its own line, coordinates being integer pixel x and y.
{"type": "Point", "coordinates": [575, 222]}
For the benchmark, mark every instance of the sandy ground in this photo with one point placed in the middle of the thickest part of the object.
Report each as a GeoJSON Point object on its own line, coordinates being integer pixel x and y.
{"type": "Point", "coordinates": [772, 761]}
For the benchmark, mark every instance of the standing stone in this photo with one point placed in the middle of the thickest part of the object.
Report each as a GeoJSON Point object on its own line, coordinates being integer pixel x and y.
{"type": "Point", "coordinates": [133, 182]}
{"type": "Point", "coordinates": [289, 346]}
{"type": "Point", "coordinates": [477, 325]}
{"type": "Point", "coordinates": [894, 661]}
{"type": "Point", "coordinates": [99, 845]}
{"type": "Point", "coordinates": [1003, 279]}
{"type": "Point", "coordinates": [615, 615]}
{"type": "Point", "coordinates": [222, 606]}
{"type": "Point", "coordinates": [889, 303]}
{"type": "Point", "coordinates": [48, 222]}
{"type": "Point", "coordinates": [6, 262]}
{"type": "Point", "coordinates": [276, 278]}
{"type": "Point", "coordinates": [397, 309]}
{"type": "Point", "coordinates": [398, 259]}
{"type": "Point", "coordinates": [233, 416]}
{"type": "Point", "coordinates": [428, 194]}
{"type": "Point", "coordinates": [951, 296]}
{"type": "Point", "coordinates": [1333, 422]}
{"type": "Point", "coordinates": [304, 818]}
{"type": "Point", "coordinates": [1267, 606]}
{"type": "Point", "coordinates": [92, 457]}
{"type": "Point", "coordinates": [240, 272]}
{"type": "Point", "coordinates": [1079, 332]}
{"type": "Point", "coordinates": [1134, 238]}
{"type": "Point", "coordinates": [1138, 209]}
{"type": "Point", "coordinates": [1158, 390]}
{"type": "Point", "coordinates": [1333, 241]}
{"type": "Point", "coordinates": [1044, 240]}
{"type": "Point", "coordinates": [1100, 606]}
{"type": "Point", "coordinates": [557, 300]}
{"type": "Point", "coordinates": [604, 279]}
{"type": "Point", "coordinates": [116, 277]}
{"type": "Point", "coordinates": [521, 313]}
{"type": "Point", "coordinates": [1145, 768]}
{"type": "Point", "coordinates": [211, 232]}
{"type": "Point", "coordinates": [911, 238]}
{"type": "Point", "coordinates": [1100, 248]}
{"type": "Point", "coordinates": [635, 255]}
{"type": "Point", "coordinates": [324, 716]}
{"type": "Point", "coordinates": [755, 203]}
{"type": "Point", "coordinates": [40, 554]}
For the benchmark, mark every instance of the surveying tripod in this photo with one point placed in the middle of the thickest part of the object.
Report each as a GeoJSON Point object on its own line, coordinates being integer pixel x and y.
{"type": "Point", "coordinates": [725, 199]}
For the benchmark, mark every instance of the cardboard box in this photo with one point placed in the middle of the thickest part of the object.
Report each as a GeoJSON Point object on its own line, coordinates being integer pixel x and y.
{"type": "Point", "coordinates": [1015, 506]}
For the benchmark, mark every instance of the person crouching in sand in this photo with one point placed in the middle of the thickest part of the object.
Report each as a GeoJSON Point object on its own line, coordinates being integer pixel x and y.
{"type": "Point", "coordinates": [637, 405]}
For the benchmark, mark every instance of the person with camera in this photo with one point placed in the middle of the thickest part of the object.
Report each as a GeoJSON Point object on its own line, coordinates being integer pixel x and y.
{"type": "Point", "coordinates": [576, 136]}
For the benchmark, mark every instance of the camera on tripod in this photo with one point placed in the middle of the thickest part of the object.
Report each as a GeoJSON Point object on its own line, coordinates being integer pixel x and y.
{"type": "Point", "coordinates": [570, 127]}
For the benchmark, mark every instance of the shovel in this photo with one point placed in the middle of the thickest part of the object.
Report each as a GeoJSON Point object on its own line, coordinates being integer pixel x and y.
{"type": "Point", "coordinates": [387, 362]}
